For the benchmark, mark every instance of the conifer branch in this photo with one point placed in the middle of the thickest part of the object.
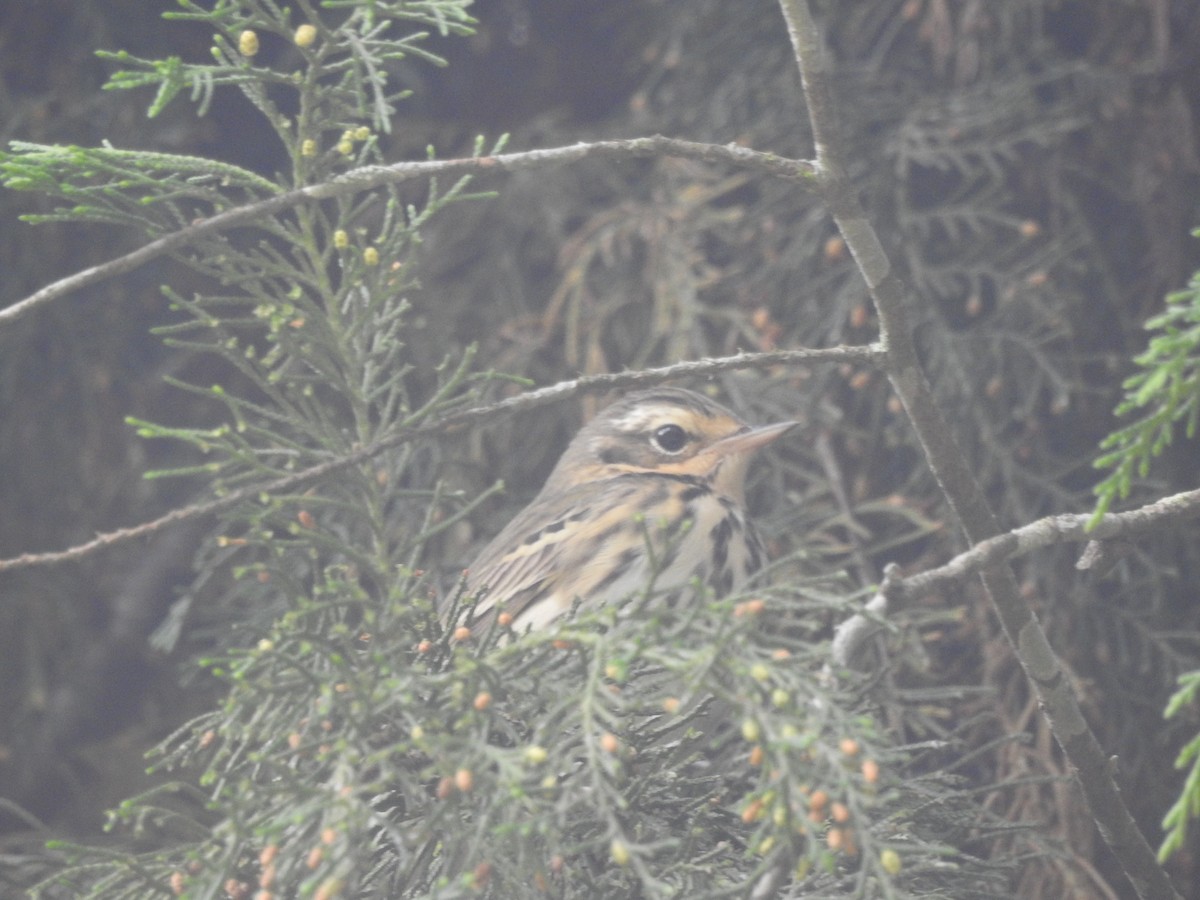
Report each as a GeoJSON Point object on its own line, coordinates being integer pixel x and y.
{"type": "Point", "coordinates": [368, 178]}
{"type": "Point", "coordinates": [565, 390]}
{"type": "Point", "coordinates": [1048, 532]}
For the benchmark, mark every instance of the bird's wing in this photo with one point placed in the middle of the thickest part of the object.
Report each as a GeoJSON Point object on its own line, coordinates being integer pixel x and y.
{"type": "Point", "coordinates": [522, 561]}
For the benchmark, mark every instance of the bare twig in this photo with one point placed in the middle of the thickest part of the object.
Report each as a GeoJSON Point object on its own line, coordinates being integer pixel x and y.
{"type": "Point", "coordinates": [953, 473]}
{"type": "Point", "coordinates": [370, 177]}
{"type": "Point", "coordinates": [852, 633]}
{"type": "Point", "coordinates": [866, 355]}
{"type": "Point", "coordinates": [1046, 532]}
{"type": "Point", "coordinates": [1065, 529]}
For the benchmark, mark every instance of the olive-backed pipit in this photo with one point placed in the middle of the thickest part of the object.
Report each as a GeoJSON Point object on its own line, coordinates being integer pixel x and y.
{"type": "Point", "coordinates": [652, 487]}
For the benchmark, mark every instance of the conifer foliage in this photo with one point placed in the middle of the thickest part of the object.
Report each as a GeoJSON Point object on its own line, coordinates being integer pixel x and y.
{"type": "Point", "coordinates": [333, 327]}
{"type": "Point", "coordinates": [363, 746]}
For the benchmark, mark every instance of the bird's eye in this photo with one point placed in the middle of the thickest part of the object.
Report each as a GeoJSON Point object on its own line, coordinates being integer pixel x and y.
{"type": "Point", "coordinates": [670, 438]}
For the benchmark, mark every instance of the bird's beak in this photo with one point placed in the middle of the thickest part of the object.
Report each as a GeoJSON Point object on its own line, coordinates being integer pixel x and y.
{"type": "Point", "coordinates": [750, 439]}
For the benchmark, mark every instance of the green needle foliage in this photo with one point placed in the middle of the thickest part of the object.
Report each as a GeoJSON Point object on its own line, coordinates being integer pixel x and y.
{"type": "Point", "coordinates": [1187, 807]}
{"type": "Point", "coordinates": [1165, 391]}
{"type": "Point", "coordinates": [363, 747]}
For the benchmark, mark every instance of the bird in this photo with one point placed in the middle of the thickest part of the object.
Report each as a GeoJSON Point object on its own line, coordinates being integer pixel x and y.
{"type": "Point", "coordinates": [649, 493]}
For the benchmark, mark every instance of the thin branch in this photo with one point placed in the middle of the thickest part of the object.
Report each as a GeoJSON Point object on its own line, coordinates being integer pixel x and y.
{"type": "Point", "coordinates": [953, 471]}
{"type": "Point", "coordinates": [370, 177]}
{"type": "Point", "coordinates": [1065, 529]}
{"type": "Point", "coordinates": [864, 355]}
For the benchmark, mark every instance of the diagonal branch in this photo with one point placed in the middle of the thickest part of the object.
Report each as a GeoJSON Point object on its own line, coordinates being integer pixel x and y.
{"type": "Point", "coordinates": [1043, 533]}
{"type": "Point", "coordinates": [953, 472]}
{"type": "Point", "coordinates": [1047, 532]}
{"type": "Point", "coordinates": [864, 355]}
{"type": "Point", "coordinates": [370, 177]}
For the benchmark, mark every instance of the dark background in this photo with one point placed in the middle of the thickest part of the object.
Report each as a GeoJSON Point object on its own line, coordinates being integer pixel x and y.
{"type": "Point", "coordinates": [1031, 165]}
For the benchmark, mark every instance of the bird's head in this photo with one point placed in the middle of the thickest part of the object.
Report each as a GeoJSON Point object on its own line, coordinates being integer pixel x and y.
{"type": "Point", "coordinates": [667, 431]}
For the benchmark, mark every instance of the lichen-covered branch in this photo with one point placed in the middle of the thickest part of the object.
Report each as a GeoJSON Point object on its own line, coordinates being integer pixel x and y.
{"type": "Point", "coordinates": [1048, 532]}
